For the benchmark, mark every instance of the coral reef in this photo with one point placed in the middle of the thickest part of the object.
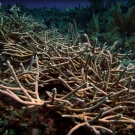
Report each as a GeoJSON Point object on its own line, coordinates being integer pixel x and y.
{"type": "Point", "coordinates": [45, 70]}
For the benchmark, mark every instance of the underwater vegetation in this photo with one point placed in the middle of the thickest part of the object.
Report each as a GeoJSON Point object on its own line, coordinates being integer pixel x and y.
{"type": "Point", "coordinates": [60, 76]}
{"type": "Point", "coordinates": [115, 24]}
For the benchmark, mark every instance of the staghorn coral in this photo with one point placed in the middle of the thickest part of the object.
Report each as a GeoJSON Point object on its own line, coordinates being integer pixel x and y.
{"type": "Point", "coordinates": [95, 89]}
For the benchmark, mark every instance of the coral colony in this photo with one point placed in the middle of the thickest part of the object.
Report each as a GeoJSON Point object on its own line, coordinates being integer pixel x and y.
{"type": "Point", "coordinates": [89, 83]}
